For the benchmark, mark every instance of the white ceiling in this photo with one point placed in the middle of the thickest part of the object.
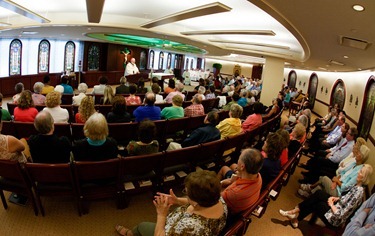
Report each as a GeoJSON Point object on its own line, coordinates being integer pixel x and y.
{"type": "Point", "coordinates": [306, 32]}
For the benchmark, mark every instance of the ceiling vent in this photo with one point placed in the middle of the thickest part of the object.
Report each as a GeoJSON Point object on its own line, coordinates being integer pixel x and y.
{"type": "Point", "coordinates": [336, 63]}
{"type": "Point", "coordinates": [354, 43]}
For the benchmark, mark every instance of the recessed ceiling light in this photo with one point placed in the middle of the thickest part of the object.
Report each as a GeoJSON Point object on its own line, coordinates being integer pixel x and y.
{"type": "Point", "coordinates": [346, 57]}
{"type": "Point", "coordinates": [29, 32]}
{"type": "Point", "coordinates": [358, 7]}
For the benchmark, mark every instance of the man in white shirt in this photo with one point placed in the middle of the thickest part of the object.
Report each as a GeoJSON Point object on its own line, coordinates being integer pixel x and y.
{"type": "Point", "coordinates": [131, 68]}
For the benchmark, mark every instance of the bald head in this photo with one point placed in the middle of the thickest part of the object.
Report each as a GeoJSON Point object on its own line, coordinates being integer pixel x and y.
{"type": "Point", "coordinates": [150, 99]}
{"type": "Point", "coordinates": [43, 123]}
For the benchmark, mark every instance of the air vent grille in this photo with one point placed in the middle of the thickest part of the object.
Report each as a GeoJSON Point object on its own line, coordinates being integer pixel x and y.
{"type": "Point", "coordinates": [354, 43]}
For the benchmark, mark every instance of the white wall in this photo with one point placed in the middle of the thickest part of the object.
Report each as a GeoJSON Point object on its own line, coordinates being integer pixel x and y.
{"type": "Point", "coordinates": [228, 66]}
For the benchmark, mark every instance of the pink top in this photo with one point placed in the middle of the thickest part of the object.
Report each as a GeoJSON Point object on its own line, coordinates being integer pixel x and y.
{"type": "Point", "coordinates": [133, 100]}
{"type": "Point", "coordinates": [252, 122]}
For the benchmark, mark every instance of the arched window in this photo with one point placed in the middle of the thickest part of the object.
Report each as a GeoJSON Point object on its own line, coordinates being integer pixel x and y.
{"type": "Point", "coordinates": [187, 64]}
{"type": "Point", "coordinates": [161, 60]}
{"type": "Point", "coordinates": [292, 79]}
{"type": "Point", "coordinates": [93, 57]}
{"type": "Point", "coordinates": [15, 53]}
{"type": "Point", "coordinates": [69, 55]}
{"type": "Point", "coordinates": [338, 94]}
{"type": "Point", "coordinates": [368, 108]}
{"type": "Point", "coordinates": [152, 57]}
{"type": "Point", "coordinates": [169, 60]}
{"type": "Point", "coordinates": [142, 61]}
{"type": "Point", "coordinates": [313, 87]}
{"type": "Point", "coordinates": [43, 56]}
{"type": "Point", "coordinates": [192, 64]}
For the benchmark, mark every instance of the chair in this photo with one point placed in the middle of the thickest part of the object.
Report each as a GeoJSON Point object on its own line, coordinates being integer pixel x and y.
{"type": "Point", "coordinates": [52, 180]}
{"type": "Point", "coordinates": [194, 122]}
{"type": "Point", "coordinates": [14, 179]}
{"type": "Point", "coordinates": [210, 104]}
{"type": "Point", "coordinates": [24, 129]}
{"type": "Point", "coordinates": [178, 160]}
{"type": "Point", "coordinates": [8, 128]}
{"type": "Point", "coordinates": [223, 115]}
{"type": "Point", "coordinates": [136, 169]}
{"type": "Point", "coordinates": [105, 109]}
{"type": "Point", "coordinates": [62, 129]}
{"type": "Point", "coordinates": [123, 133]}
{"type": "Point", "coordinates": [70, 111]}
{"type": "Point", "coordinates": [97, 98]}
{"type": "Point", "coordinates": [190, 95]}
{"type": "Point", "coordinates": [210, 152]}
{"type": "Point", "coordinates": [233, 145]}
{"type": "Point", "coordinates": [160, 132]}
{"type": "Point", "coordinates": [11, 107]}
{"type": "Point", "coordinates": [98, 180]}
{"type": "Point", "coordinates": [77, 131]}
{"type": "Point", "coordinates": [67, 99]}
{"type": "Point", "coordinates": [174, 126]}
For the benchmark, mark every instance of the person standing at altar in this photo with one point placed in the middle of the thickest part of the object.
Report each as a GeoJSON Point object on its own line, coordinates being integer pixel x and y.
{"type": "Point", "coordinates": [131, 68]}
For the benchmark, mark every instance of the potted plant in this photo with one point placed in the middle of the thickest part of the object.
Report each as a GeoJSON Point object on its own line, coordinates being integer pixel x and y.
{"type": "Point", "coordinates": [217, 67]}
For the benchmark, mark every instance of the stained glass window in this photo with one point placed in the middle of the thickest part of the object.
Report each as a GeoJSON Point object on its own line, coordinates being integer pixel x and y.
{"type": "Point", "coordinates": [169, 60]}
{"type": "Point", "coordinates": [292, 79]}
{"type": "Point", "coordinates": [161, 60]}
{"type": "Point", "coordinates": [187, 64]}
{"type": "Point", "coordinates": [93, 57]}
{"type": "Point", "coordinates": [70, 49]}
{"type": "Point", "coordinates": [368, 109]}
{"type": "Point", "coordinates": [192, 64]}
{"type": "Point", "coordinates": [15, 52]}
{"type": "Point", "coordinates": [152, 55]}
{"type": "Point", "coordinates": [142, 61]}
{"type": "Point", "coordinates": [43, 55]}
{"type": "Point", "coordinates": [338, 94]}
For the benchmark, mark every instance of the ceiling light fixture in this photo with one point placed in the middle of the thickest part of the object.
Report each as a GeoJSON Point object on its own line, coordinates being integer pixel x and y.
{"type": "Point", "coordinates": [358, 7]}
{"type": "Point", "coordinates": [29, 32]}
{"type": "Point", "coordinates": [346, 57]}
{"type": "Point", "coordinates": [241, 32]}
{"type": "Point", "coordinates": [250, 44]}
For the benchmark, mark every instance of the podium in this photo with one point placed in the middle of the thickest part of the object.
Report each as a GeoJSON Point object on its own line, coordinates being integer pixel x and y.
{"type": "Point", "coordinates": [134, 78]}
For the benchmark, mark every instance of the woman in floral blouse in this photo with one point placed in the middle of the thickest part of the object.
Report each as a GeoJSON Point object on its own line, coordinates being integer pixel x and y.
{"type": "Point", "coordinates": [333, 211]}
{"type": "Point", "coordinates": [201, 213]}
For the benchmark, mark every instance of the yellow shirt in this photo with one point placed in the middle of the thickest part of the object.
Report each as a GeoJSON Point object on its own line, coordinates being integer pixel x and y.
{"type": "Point", "coordinates": [47, 89]}
{"type": "Point", "coordinates": [229, 127]}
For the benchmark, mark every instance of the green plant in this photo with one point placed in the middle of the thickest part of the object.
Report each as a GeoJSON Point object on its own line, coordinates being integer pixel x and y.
{"type": "Point", "coordinates": [217, 66]}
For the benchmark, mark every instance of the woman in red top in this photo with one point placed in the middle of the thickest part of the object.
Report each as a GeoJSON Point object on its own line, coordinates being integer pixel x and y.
{"type": "Point", "coordinates": [25, 110]}
{"type": "Point", "coordinates": [85, 109]}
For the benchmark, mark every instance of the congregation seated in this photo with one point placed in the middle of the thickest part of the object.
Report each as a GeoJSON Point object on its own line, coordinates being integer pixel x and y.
{"type": "Point", "coordinates": [232, 125]}
{"type": "Point", "coordinates": [25, 110]}
{"type": "Point", "coordinates": [345, 176]}
{"type": "Point", "coordinates": [171, 86]}
{"type": "Point", "coordinates": [235, 98]}
{"type": "Point", "coordinates": [107, 96]}
{"type": "Point", "coordinates": [211, 93]}
{"type": "Point", "coordinates": [85, 110]}
{"type": "Point", "coordinates": [11, 148]}
{"type": "Point", "coordinates": [118, 114]}
{"type": "Point", "coordinates": [53, 101]}
{"type": "Point", "coordinates": [335, 155]}
{"type": "Point", "coordinates": [149, 110]}
{"type": "Point", "coordinates": [97, 146]}
{"type": "Point", "coordinates": [325, 119]}
{"type": "Point", "coordinates": [242, 182]}
{"type": "Point", "coordinates": [122, 88]}
{"type": "Point", "coordinates": [132, 99]}
{"type": "Point", "coordinates": [196, 108]}
{"type": "Point", "coordinates": [82, 89]}
{"type": "Point", "coordinates": [201, 92]}
{"type": "Point", "coordinates": [99, 89]}
{"type": "Point", "coordinates": [273, 110]}
{"type": "Point", "coordinates": [174, 111]}
{"type": "Point", "coordinates": [243, 99]}
{"type": "Point", "coordinates": [37, 97]}
{"type": "Point", "coordinates": [254, 120]}
{"type": "Point", "coordinates": [205, 133]}
{"type": "Point", "coordinates": [285, 140]}
{"type": "Point", "coordinates": [333, 211]}
{"type": "Point", "coordinates": [202, 212]}
{"type": "Point", "coordinates": [296, 138]}
{"type": "Point", "coordinates": [47, 147]}
{"type": "Point", "coordinates": [147, 143]}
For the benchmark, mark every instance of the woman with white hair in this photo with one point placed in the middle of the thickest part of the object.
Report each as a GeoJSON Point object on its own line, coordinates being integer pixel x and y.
{"type": "Point", "coordinates": [38, 98]}
{"type": "Point", "coordinates": [82, 89]}
{"type": "Point", "coordinates": [201, 92]}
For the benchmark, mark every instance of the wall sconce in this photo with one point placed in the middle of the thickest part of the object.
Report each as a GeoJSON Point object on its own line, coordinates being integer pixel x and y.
{"type": "Point", "coordinates": [321, 89]}
{"type": "Point", "coordinates": [300, 82]}
{"type": "Point", "coordinates": [326, 91]}
{"type": "Point", "coordinates": [284, 79]}
{"type": "Point", "coordinates": [304, 84]}
{"type": "Point", "coordinates": [351, 99]}
{"type": "Point", "coordinates": [356, 102]}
